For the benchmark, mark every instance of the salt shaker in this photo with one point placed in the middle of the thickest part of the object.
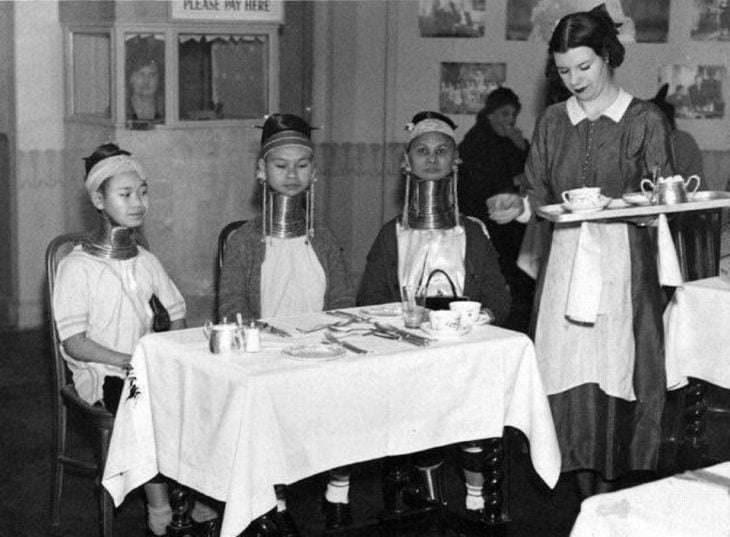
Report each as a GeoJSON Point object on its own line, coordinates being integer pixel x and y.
{"type": "Point", "coordinates": [253, 337]}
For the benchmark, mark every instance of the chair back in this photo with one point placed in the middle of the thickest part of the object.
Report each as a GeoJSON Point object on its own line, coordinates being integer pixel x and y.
{"type": "Point", "coordinates": [57, 249]}
{"type": "Point", "coordinates": [223, 237]}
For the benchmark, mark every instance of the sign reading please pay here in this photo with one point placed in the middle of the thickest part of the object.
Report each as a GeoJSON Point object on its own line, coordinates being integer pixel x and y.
{"type": "Point", "coordinates": [228, 10]}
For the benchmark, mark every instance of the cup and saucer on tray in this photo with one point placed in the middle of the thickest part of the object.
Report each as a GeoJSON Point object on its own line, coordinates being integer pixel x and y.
{"type": "Point", "coordinates": [584, 200]}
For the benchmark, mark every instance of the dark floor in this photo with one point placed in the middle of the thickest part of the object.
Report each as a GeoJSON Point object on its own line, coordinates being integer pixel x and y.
{"type": "Point", "coordinates": [25, 451]}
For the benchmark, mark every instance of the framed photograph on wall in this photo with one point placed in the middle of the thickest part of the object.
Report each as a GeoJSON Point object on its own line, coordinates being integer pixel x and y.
{"type": "Point", "coordinates": [465, 85]}
{"type": "Point", "coordinates": [642, 21]}
{"type": "Point", "coordinates": [695, 91]}
{"type": "Point", "coordinates": [711, 20]}
{"type": "Point", "coordinates": [451, 18]}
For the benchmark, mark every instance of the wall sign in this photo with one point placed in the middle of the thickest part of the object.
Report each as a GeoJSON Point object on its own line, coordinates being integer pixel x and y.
{"type": "Point", "coordinates": [228, 10]}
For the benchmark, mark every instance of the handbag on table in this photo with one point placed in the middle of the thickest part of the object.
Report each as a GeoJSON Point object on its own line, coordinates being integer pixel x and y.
{"type": "Point", "coordinates": [442, 302]}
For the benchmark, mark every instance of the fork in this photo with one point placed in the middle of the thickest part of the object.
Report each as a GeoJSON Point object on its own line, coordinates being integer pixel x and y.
{"type": "Point", "coordinates": [323, 326]}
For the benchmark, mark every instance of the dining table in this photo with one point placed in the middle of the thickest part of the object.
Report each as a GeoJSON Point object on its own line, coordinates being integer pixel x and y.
{"type": "Point", "coordinates": [697, 343]}
{"type": "Point", "coordinates": [233, 425]}
{"type": "Point", "coordinates": [695, 502]}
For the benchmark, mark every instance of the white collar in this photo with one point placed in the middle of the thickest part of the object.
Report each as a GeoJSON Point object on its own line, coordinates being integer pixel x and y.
{"type": "Point", "coordinates": [615, 111]}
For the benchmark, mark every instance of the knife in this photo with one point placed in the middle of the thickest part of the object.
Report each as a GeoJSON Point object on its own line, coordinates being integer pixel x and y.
{"type": "Point", "coordinates": [349, 346]}
{"type": "Point", "coordinates": [404, 335]}
{"type": "Point", "coordinates": [274, 330]}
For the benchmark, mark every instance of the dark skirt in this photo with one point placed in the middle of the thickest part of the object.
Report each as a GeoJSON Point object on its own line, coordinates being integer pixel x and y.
{"type": "Point", "coordinates": [610, 435]}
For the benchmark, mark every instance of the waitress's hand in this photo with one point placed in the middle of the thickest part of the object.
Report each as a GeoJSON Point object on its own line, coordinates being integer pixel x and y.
{"type": "Point", "coordinates": [504, 208]}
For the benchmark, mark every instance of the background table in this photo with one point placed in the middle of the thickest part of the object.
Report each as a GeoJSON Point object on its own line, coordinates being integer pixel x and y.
{"type": "Point", "coordinates": [231, 426]}
{"type": "Point", "coordinates": [693, 503]}
{"type": "Point", "coordinates": [697, 338]}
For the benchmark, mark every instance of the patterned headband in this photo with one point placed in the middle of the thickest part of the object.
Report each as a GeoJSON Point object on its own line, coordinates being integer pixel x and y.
{"type": "Point", "coordinates": [110, 167]}
{"type": "Point", "coordinates": [429, 125]}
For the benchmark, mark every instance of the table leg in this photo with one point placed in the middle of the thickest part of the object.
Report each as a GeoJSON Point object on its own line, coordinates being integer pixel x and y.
{"type": "Point", "coordinates": [493, 480]}
{"type": "Point", "coordinates": [181, 524]}
{"type": "Point", "coordinates": [693, 448]}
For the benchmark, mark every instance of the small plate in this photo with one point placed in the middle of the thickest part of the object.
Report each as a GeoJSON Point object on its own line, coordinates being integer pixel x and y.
{"type": "Point", "coordinates": [483, 319]}
{"type": "Point", "coordinates": [426, 327]}
{"type": "Point", "coordinates": [386, 310]}
{"type": "Point", "coordinates": [636, 198]}
{"type": "Point", "coordinates": [587, 209]}
{"type": "Point", "coordinates": [315, 352]}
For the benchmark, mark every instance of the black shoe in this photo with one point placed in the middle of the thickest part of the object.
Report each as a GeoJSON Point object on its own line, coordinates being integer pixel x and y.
{"type": "Point", "coordinates": [263, 526]}
{"type": "Point", "coordinates": [336, 515]}
{"type": "Point", "coordinates": [287, 526]}
{"type": "Point", "coordinates": [208, 528]}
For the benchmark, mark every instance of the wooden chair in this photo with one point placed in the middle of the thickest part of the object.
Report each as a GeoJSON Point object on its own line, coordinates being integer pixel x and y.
{"type": "Point", "coordinates": [65, 399]}
{"type": "Point", "coordinates": [223, 237]}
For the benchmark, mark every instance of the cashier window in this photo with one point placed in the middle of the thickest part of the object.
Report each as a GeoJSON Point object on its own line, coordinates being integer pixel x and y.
{"type": "Point", "coordinates": [223, 76]}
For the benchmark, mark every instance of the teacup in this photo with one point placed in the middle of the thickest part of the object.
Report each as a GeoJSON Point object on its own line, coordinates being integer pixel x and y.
{"type": "Point", "coordinates": [223, 338]}
{"type": "Point", "coordinates": [468, 311]}
{"type": "Point", "coordinates": [583, 197]}
{"type": "Point", "coordinates": [445, 321]}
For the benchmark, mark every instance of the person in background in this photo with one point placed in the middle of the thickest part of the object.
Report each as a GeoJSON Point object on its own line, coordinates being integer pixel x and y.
{"type": "Point", "coordinates": [432, 235]}
{"type": "Point", "coordinates": [109, 293]}
{"type": "Point", "coordinates": [493, 154]}
{"type": "Point", "coordinates": [145, 100]}
{"type": "Point", "coordinates": [687, 153]}
{"type": "Point", "coordinates": [280, 264]}
{"type": "Point", "coordinates": [600, 352]}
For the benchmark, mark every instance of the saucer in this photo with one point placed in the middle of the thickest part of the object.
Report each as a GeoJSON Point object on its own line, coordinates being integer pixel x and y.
{"type": "Point", "coordinates": [386, 310]}
{"type": "Point", "coordinates": [636, 198]}
{"type": "Point", "coordinates": [314, 352]}
{"type": "Point", "coordinates": [585, 208]}
{"type": "Point", "coordinates": [426, 327]}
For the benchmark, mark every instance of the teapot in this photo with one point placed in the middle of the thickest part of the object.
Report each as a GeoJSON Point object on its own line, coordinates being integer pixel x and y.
{"type": "Point", "coordinates": [668, 190]}
{"type": "Point", "coordinates": [222, 338]}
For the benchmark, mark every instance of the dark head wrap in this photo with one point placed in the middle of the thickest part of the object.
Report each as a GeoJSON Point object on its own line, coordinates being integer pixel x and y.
{"type": "Point", "coordinates": [283, 130]}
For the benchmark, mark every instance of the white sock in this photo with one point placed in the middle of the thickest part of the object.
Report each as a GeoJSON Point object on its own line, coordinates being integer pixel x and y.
{"type": "Point", "coordinates": [158, 518]}
{"type": "Point", "coordinates": [474, 498]}
{"type": "Point", "coordinates": [338, 489]}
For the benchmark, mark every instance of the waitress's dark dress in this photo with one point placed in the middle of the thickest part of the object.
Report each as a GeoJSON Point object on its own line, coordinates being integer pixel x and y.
{"type": "Point", "coordinates": [596, 431]}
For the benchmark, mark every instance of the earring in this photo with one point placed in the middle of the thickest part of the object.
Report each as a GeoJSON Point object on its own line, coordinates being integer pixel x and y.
{"type": "Point", "coordinates": [261, 176]}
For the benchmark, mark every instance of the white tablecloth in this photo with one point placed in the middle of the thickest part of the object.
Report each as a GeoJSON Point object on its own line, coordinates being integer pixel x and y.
{"type": "Point", "coordinates": [687, 505]}
{"type": "Point", "coordinates": [231, 426]}
{"type": "Point", "coordinates": [697, 328]}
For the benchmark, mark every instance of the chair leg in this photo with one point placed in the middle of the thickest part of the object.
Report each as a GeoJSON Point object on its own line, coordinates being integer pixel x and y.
{"type": "Point", "coordinates": [59, 449]}
{"type": "Point", "coordinates": [106, 507]}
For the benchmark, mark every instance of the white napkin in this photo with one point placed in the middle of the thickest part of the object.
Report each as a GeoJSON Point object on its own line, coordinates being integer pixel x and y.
{"type": "Point", "coordinates": [670, 273]}
{"type": "Point", "coordinates": [586, 283]}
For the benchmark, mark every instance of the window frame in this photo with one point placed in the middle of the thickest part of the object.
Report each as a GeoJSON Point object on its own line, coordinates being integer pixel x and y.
{"type": "Point", "coordinates": [171, 32]}
{"type": "Point", "coordinates": [70, 84]}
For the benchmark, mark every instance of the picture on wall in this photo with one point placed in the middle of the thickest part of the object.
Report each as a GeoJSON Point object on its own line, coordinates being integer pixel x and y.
{"type": "Point", "coordinates": [464, 86]}
{"type": "Point", "coordinates": [642, 21]}
{"type": "Point", "coordinates": [695, 91]}
{"type": "Point", "coordinates": [711, 20]}
{"type": "Point", "coordinates": [451, 18]}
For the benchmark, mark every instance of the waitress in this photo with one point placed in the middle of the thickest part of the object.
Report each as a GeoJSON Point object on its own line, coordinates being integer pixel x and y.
{"type": "Point", "coordinates": [601, 356]}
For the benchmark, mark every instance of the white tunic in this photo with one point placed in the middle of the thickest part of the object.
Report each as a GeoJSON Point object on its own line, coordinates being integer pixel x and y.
{"type": "Point", "coordinates": [292, 278]}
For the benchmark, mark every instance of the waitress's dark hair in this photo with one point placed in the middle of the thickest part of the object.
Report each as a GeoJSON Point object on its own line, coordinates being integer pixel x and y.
{"type": "Point", "coordinates": [594, 29]}
{"type": "Point", "coordinates": [100, 153]}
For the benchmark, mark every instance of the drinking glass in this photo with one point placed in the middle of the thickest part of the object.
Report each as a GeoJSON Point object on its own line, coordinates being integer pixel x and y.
{"type": "Point", "coordinates": [413, 299]}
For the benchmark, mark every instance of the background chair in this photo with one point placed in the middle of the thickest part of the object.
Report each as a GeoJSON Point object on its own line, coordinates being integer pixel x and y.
{"type": "Point", "coordinates": [65, 399]}
{"type": "Point", "coordinates": [223, 237]}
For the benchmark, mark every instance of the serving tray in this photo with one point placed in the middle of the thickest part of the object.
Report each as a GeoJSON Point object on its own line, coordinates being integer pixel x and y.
{"type": "Point", "coordinates": [620, 208]}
